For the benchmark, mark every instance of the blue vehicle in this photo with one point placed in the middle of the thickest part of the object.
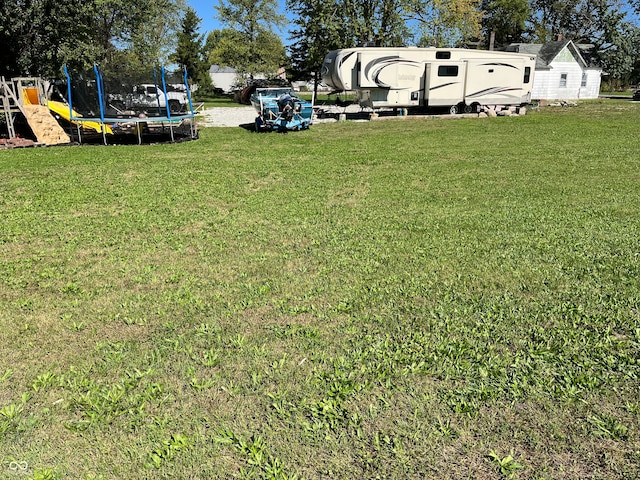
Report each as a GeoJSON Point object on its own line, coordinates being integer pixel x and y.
{"type": "Point", "coordinates": [280, 109]}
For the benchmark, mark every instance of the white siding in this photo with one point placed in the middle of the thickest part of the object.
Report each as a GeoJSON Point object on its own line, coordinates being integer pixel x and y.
{"type": "Point", "coordinates": [223, 80]}
{"type": "Point", "coordinates": [592, 90]}
{"type": "Point", "coordinates": [546, 83]}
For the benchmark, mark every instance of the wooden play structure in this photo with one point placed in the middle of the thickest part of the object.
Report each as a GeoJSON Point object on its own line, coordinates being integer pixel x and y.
{"type": "Point", "coordinates": [26, 96]}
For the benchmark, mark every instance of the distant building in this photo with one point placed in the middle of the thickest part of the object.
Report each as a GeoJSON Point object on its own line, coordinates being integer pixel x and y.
{"type": "Point", "coordinates": [564, 70]}
{"type": "Point", "coordinates": [226, 78]}
{"type": "Point", "coordinates": [223, 78]}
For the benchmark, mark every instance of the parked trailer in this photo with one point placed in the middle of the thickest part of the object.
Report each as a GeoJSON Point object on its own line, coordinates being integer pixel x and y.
{"type": "Point", "coordinates": [461, 79]}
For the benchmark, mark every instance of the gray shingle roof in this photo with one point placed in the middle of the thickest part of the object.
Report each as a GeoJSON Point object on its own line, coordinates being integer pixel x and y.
{"type": "Point", "coordinates": [546, 52]}
{"type": "Point", "coordinates": [219, 69]}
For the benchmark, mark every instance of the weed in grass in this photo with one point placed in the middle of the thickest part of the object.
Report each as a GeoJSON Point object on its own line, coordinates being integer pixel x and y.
{"type": "Point", "coordinates": [12, 411]}
{"type": "Point", "coordinates": [506, 466]}
{"type": "Point", "coordinates": [607, 427]}
{"type": "Point", "coordinates": [175, 444]}
{"type": "Point", "coordinates": [43, 381]}
{"type": "Point", "coordinates": [444, 428]}
{"type": "Point", "coordinates": [202, 384]}
{"type": "Point", "coordinates": [11, 418]}
{"type": "Point", "coordinates": [279, 403]}
{"type": "Point", "coordinates": [6, 375]}
{"type": "Point", "coordinates": [94, 404]}
{"type": "Point", "coordinates": [208, 329]}
{"type": "Point", "coordinates": [238, 341]}
{"type": "Point", "coordinates": [45, 474]}
{"type": "Point", "coordinates": [261, 464]}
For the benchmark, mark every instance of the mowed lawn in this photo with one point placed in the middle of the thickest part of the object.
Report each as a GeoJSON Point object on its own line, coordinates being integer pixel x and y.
{"type": "Point", "coordinates": [396, 299]}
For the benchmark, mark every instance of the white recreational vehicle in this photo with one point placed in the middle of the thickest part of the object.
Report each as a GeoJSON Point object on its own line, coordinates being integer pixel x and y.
{"type": "Point", "coordinates": [463, 80]}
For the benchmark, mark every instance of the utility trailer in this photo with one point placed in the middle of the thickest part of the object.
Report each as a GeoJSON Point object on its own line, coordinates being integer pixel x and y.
{"type": "Point", "coordinates": [460, 79]}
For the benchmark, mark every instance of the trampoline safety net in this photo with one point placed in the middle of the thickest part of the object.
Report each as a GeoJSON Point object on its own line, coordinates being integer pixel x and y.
{"type": "Point", "coordinates": [141, 105]}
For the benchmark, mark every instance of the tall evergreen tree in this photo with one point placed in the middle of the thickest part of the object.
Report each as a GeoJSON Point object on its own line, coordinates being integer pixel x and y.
{"type": "Point", "coordinates": [189, 53]}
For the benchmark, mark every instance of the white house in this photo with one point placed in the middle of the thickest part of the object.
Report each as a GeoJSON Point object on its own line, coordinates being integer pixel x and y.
{"type": "Point", "coordinates": [563, 70]}
{"type": "Point", "coordinates": [223, 78]}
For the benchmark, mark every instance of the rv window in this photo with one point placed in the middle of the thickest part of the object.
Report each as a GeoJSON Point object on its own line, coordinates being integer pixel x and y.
{"type": "Point", "coordinates": [527, 74]}
{"type": "Point", "coordinates": [443, 55]}
{"type": "Point", "coordinates": [448, 71]}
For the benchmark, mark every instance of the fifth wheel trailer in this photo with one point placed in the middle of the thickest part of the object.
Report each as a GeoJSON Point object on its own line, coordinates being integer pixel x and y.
{"type": "Point", "coordinates": [461, 79]}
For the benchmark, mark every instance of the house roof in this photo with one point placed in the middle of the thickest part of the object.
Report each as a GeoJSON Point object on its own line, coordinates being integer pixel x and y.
{"type": "Point", "coordinates": [219, 69]}
{"type": "Point", "coordinates": [547, 52]}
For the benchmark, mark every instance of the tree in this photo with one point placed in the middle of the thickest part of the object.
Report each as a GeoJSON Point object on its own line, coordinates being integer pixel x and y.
{"type": "Point", "coordinates": [43, 35]}
{"type": "Point", "coordinates": [322, 26]}
{"type": "Point", "coordinates": [506, 20]}
{"type": "Point", "coordinates": [249, 44]}
{"type": "Point", "coordinates": [445, 23]}
{"type": "Point", "coordinates": [376, 22]}
{"type": "Point", "coordinates": [578, 20]}
{"type": "Point", "coordinates": [39, 37]}
{"type": "Point", "coordinates": [618, 54]}
{"type": "Point", "coordinates": [318, 29]}
{"type": "Point", "coordinates": [145, 29]}
{"type": "Point", "coordinates": [189, 52]}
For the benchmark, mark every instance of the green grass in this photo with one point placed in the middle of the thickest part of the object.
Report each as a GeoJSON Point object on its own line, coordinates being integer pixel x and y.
{"type": "Point", "coordinates": [395, 299]}
{"type": "Point", "coordinates": [218, 101]}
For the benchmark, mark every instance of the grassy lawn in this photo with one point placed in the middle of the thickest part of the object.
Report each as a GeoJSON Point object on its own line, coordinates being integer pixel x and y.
{"type": "Point", "coordinates": [396, 299]}
{"type": "Point", "coordinates": [219, 101]}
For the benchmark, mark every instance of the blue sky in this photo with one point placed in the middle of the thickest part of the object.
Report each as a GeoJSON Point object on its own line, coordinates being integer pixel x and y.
{"type": "Point", "coordinates": [206, 11]}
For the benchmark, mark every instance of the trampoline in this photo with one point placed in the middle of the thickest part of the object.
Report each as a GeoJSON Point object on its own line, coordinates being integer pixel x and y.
{"type": "Point", "coordinates": [127, 109]}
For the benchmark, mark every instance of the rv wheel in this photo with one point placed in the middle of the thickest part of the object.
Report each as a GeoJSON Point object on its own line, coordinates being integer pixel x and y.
{"type": "Point", "coordinates": [468, 108]}
{"type": "Point", "coordinates": [454, 109]}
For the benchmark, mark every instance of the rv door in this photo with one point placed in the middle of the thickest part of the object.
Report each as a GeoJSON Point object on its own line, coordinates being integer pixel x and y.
{"type": "Point", "coordinates": [444, 83]}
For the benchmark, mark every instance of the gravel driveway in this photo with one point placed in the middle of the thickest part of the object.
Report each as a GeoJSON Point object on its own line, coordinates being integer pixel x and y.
{"type": "Point", "coordinates": [237, 116]}
{"type": "Point", "coordinates": [227, 117]}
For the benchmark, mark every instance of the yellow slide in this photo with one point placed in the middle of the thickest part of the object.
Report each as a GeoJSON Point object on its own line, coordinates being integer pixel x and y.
{"type": "Point", "coordinates": [63, 110]}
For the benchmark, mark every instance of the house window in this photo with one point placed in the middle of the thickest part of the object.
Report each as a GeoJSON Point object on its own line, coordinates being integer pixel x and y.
{"type": "Point", "coordinates": [527, 74]}
{"type": "Point", "coordinates": [563, 80]}
{"type": "Point", "coordinates": [583, 83]}
{"type": "Point", "coordinates": [448, 71]}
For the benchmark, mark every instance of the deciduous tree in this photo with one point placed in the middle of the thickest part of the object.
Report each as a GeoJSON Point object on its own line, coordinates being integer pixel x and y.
{"type": "Point", "coordinates": [447, 23]}
{"type": "Point", "coordinates": [249, 43]}
{"type": "Point", "coordinates": [506, 20]}
{"type": "Point", "coordinates": [40, 36]}
{"type": "Point", "coordinates": [321, 26]}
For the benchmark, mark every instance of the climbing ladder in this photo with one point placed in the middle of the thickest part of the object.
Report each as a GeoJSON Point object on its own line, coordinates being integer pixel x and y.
{"type": "Point", "coordinates": [11, 104]}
